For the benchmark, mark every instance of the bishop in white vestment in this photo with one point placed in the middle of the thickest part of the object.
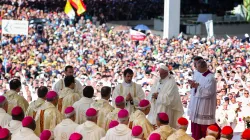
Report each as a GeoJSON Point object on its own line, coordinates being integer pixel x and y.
{"type": "Point", "coordinates": [90, 130]}
{"type": "Point", "coordinates": [15, 124]}
{"type": "Point", "coordinates": [64, 129]}
{"type": "Point", "coordinates": [131, 91]}
{"type": "Point", "coordinates": [121, 131]}
{"type": "Point", "coordinates": [164, 97]}
{"type": "Point", "coordinates": [27, 131]}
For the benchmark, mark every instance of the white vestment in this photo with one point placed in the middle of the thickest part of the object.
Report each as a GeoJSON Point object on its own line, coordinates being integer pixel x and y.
{"type": "Point", "coordinates": [120, 132]}
{"type": "Point", "coordinates": [203, 105]}
{"type": "Point", "coordinates": [5, 118]}
{"type": "Point", "coordinates": [124, 89]}
{"type": "Point", "coordinates": [64, 129]}
{"type": "Point", "coordinates": [25, 134]}
{"type": "Point", "coordinates": [168, 101]}
{"type": "Point", "coordinates": [222, 120]}
{"type": "Point", "coordinates": [195, 76]}
{"type": "Point", "coordinates": [14, 126]}
{"type": "Point", "coordinates": [81, 107]}
{"type": "Point", "coordinates": [90, 131]}
{"type": "Point", "coordinates": [59, 85]}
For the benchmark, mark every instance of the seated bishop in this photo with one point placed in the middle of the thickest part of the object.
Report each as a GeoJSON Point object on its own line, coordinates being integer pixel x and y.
{"type": "Point", "coordinates": [227, 133]}
{"type": "Point", "coordinates": [90, 130]}
{"type": "Point", "coordinates": [139, 118]}
{"type": "Point", "coordinates": [65, 128]}
{"type": "Point", "coordinates": [46, 135]}
{"type": "Point", "coordinates": [121, 131]}
{"type": "Point", "coordinates": [181, 134]}
{"type": "Point", "coordinates": [113, 115]}
{"type": "Point", "coordinates": [163, 128]}
{"type": "Point", "coordinates": [27, 131]}
{"type": "Point", "coordinates": [137, 133]}
{"type": "Point", "coordinates": [16, 123]}
{"type": "Point", "coordinates": [212, 133]}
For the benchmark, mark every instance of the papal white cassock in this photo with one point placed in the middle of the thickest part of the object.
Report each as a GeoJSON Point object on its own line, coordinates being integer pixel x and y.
{"type": "Point", "coordinates": [64, 129]}
{"type": "Point", "coordinates": [120, 132]}
{"type": "Point", "coordinates": [168, 100]}
{"type": "Point", "coordinates": [59, 85]}
{"type": "Point", "coordinates": [124, 89]}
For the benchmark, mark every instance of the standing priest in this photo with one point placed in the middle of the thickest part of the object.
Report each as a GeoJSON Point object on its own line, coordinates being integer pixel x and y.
{"type": "Point", "coordinates": [203, 104]}
{"type": "Point", "coordinates": [131, 91]}
{"type": "Point", "coordinates": [165, 97]}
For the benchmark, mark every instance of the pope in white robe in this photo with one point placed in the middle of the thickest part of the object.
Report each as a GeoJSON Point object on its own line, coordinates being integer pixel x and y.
{"type": "Point", "coordinates": [164, 97]}
{"type": "Point", "coordinates": [131, 91]}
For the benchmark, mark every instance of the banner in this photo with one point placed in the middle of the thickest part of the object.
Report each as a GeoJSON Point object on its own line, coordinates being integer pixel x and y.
{"type": "Point", "coordinates": [247, 6]}
{"type": "Point", "coordinates": [79, 5]}
{"type": "Point", "coordinates": [19, 27]}
{"type": "Point", "coordinates": [136, 35]}
{"type": "Point", "coordinates": [210, 28]}
{"type": "Point", "coordinates": [69, 10]}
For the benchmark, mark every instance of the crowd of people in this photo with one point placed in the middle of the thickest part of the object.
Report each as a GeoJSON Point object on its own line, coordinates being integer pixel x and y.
{"type": "Point", "coordinates": [99, 57]}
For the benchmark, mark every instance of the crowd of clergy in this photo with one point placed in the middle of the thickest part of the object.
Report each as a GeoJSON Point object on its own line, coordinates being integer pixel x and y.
{"type": "Point", "coordinates": [70, 115]}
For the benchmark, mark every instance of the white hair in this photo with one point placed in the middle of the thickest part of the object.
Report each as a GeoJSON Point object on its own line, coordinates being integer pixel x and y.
{"type": "Point", "coordinates": [91, 118]}
{"type": "Point", "coordinates": [144, 108]}
{"type": "Point", "coordinates": [69, 114]}
{"type": "Point", "coordinates": [122, 120]}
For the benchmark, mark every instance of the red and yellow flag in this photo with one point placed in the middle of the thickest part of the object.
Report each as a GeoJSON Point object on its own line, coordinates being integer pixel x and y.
{"type": "Point", "coordinates": [69, 10]}
{"type": "Point", "coordinates": [79, 5]}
